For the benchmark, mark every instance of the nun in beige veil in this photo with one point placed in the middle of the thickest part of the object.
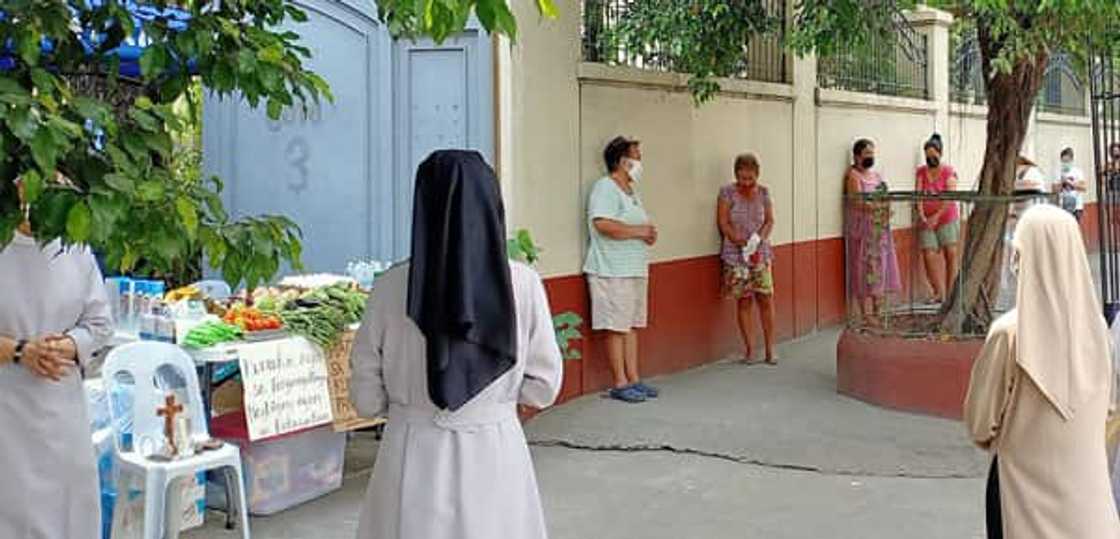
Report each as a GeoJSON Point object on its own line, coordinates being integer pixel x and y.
{"type": "Point", "coordinates": [1041, 391]}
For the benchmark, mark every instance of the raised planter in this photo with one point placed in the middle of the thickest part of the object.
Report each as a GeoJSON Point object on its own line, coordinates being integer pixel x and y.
{"type": "Point", "coordinates": [923, 376]}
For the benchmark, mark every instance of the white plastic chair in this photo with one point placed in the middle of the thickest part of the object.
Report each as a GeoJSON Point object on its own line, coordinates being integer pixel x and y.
{"type": "Point", "coordinates": [145, 363]}
{"type": "Point", "coordinates": [215, 289]}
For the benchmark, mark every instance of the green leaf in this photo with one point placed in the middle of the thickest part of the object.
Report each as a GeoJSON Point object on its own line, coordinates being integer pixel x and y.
{"type": "Point", "coordinates": [153, 61]}
{"type": "Point", "coordinates": [507, 24]}
{"type": "Point", "coordinates": [246, 61]}
{"type": "Point", "coordinates": [144, 119]}
{"type": "Point", "coordinates": [9, 86]}
{"type": "Point", "coordinates": [159, 142]}
{"type": "Point", "coordinates": [43, 80]}
{"type": "Point", "coordinates": [188, 214]}
{"type": "Point", "coordinates": [91, 109]}
{"type": "Point", "coordinates": [78, 223]}
{"type": "Point", "coordinates": [22, 123]}
{"type": "Point", "coordinates": [548, 8]}
{"type": "Point", "coordinates": [151, 191]}
{"type": "Point", "coordinates": [30, 47]}
{"type": "Point", "coordinates": [168, 246]}
{"type": "Point", "coordinates": [121, 183]}
{"type": "Point", "coordinates": [43, 150]}
{"type": "Point", "coordinates": [275, 109]}
{"type": "Point", "coordinates": [271, 55]}
{"type": "Point", "coordinates": [129, 260]}
{"type": "Point", "coordinates": [32, 186]}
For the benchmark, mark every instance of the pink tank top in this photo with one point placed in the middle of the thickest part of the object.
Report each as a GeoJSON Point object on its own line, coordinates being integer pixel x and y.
{"type": "Point", "coordinates": [938, 185]}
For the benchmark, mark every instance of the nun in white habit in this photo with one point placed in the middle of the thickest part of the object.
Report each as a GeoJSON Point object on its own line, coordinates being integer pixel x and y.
{"type": "Point", "coordinates": [1041, 390]}
{"type": "Point", "coordinates": [451, 343]}
{"type": "Point", "coordinates": [53, 316]}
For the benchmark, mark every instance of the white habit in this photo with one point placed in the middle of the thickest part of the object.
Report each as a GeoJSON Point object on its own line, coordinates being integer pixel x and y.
{"type": "Point", "coordinates": [460, 475]}
{"type": "Point", "coordinates": [48, 477]}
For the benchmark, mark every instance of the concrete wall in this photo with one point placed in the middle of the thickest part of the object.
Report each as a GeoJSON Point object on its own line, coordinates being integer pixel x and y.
{"type": "Point", "coordinates": [557, 113]}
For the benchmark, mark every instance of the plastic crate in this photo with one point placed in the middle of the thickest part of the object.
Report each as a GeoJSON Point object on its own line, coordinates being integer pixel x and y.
{"type": "Point", "coordinates": [285, 471]}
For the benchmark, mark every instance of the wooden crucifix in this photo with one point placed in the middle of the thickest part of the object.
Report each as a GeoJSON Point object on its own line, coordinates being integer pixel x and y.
{"type": "Point", "coordinates": [168, 412]}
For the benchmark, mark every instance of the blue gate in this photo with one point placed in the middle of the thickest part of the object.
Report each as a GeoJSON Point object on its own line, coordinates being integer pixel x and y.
{"type": "Point", "coordinates": [345, 171]}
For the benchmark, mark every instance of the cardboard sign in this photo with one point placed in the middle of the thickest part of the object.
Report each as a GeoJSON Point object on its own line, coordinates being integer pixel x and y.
{"type": "Point", "coordinates": [338, 365]}
{"type": "Point", "coordinates": [285, 385]}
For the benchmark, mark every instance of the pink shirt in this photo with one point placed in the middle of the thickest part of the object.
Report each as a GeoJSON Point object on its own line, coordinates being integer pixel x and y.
{"type": "Point", "coordinates": [938, 185]}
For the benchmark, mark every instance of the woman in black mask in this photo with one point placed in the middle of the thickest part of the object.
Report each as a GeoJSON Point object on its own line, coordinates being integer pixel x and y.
{"type": "Point", "coordinates": [869, 245]}
{"type": "Point", "coordinates": [450, 344]}
{"type": "Point", "coordinates": [939, 222]}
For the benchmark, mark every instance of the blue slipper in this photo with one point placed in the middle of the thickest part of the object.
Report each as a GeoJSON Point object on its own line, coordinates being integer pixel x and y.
{"type": "Point", "coordinates": [649, 391]}
{"type": "Point", "coordinates": [629, 394]}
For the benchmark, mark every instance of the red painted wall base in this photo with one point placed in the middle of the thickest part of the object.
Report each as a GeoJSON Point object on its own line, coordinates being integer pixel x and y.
{"type": "Point", "coordinates": [913, 375]}
{"type": "Point", "coordinates": [690, 324]}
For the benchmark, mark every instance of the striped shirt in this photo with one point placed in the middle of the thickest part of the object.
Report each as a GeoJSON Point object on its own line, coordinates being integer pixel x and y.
{"type": "Point", "coordinates": [608, 257]}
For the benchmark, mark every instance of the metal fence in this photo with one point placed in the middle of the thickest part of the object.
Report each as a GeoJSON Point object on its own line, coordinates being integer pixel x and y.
{"type": "Point", "coordinates": [893, 279]}
{"type": "Point", "coordinates": [1062, 92]}
{"type": "Point", "coordinates": [1062, 89]}
{"type": "Point", "coordinates": [884, 65]}
{"type": "Point", "coordinates": [966, 72]}
{"type": "Point", "coordinates": [764, 60]}
{"type": "Point", "coordinates": [1105, 81]}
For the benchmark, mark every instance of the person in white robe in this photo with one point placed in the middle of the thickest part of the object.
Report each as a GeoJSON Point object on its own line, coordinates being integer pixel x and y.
{"type": "Point", "coordinates": [451, 343]}
{"type": "Point", "coordinates": [1041, 390]}
{"type": "Point", "coordinates": [53, 316]}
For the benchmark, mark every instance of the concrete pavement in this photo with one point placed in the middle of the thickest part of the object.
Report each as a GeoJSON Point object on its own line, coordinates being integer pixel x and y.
{"type": "Point", "coordinates": [729, 451]}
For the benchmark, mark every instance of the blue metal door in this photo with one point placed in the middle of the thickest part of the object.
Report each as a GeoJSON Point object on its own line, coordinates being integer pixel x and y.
{"type": "Point", "coordinates": [345, 171]}
{"type": "Point", "coordinates": [444, 100]}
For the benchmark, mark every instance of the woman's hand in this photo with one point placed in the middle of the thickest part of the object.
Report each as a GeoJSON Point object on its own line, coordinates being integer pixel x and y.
{"type": "Point", "coordinates": [646, 233]}
{"type": "Point", "coordinates": [50, 356]}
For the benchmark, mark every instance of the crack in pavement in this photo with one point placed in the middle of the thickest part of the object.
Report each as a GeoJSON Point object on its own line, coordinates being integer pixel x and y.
{"type": "Point", "coordinates": [666, 448]}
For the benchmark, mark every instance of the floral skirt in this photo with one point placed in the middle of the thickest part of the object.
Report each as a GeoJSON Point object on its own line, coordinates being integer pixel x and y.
{"type": "Point", "coordinates": [741, 281]}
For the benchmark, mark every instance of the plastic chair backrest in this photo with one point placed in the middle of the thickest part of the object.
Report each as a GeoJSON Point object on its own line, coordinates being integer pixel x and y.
{"type": "Point", "coordinates": [156, 369]}
{"type": "Point", "coordinates": [215, 289]}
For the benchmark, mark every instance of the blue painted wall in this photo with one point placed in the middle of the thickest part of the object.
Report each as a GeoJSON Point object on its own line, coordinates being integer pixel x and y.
{"type": "Point", "coordinates": [345, 172]}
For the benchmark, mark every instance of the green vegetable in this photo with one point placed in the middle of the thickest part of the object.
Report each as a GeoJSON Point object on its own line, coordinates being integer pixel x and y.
{"type": "Point", "coordinates": [211, 333]}
{"type": "Point", "coordinates": [335, 308]}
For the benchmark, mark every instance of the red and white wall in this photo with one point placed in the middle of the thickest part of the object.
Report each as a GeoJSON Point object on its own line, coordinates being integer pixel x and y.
{"type": "Point", "coordinates": [556, 113]}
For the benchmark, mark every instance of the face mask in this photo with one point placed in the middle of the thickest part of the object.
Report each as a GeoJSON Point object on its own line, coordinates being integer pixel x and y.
{"type": "Point", "coordinates": [1067, 167]}
{"type": "Point", "coordinates": [1015, 264]}
{"type": "Point", "coordinates": [636, 170]}
{"type": "Point", "coordinates": [867, 163]}
{"type": "Point", "coordinates": [932, 162]}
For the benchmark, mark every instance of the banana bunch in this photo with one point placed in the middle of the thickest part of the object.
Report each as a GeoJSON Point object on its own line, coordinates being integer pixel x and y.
{"type": "Point", "coordinates": [185, 293]}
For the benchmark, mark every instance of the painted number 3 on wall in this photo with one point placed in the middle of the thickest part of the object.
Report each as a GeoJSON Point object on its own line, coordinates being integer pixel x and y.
{"type": "Point", "coordinates": [298, 153]}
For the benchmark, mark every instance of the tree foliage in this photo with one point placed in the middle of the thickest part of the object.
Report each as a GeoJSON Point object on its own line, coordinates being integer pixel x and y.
{"type": "Point", "coordinates": [1016, 39]}
{"type": "Point", "coordinates": [101, 154]}
{"type": "Point", "coordinates": [704, 39]}
{"type": "Point", "coordinates": [440, 19]}
{"type": "Point", "coordinates": [96, 152]}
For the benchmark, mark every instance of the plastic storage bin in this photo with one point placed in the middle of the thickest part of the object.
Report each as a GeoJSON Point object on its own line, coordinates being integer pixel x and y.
{"type": "Point", "coordinates": [285, 471]}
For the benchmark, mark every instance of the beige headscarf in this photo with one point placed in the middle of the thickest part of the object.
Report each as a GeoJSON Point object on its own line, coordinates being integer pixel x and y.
{"type": "Point", "coordinates": [1062, 339]}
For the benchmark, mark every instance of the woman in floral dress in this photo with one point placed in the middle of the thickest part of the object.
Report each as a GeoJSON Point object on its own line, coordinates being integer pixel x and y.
{"type": "Point", "coordinates": [869, 247]}
{"type": "Point", "coordinates": [746, 219]}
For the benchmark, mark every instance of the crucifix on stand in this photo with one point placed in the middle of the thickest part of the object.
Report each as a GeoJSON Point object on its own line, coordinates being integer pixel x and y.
{"type": "Point", "coordinates": [168, 412]}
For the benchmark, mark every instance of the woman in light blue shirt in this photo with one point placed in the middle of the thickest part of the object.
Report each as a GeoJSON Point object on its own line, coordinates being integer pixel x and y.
{"type": "Point", "coordinates": [617, 265]}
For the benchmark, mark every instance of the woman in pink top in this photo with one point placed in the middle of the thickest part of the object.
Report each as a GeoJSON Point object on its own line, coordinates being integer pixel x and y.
{"type": "Point", "coordinates": [939, 223]}
{"type": "Point", "coordinates": [872, 265]}
{"type": "Point", "coordinates": [746, 218]}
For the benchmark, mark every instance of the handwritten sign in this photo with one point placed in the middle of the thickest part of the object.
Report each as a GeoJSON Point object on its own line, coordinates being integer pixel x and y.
{"type": "Point", "coordinates": [285, 387]}
{"type": "Point", "coordinates": [338, 366]}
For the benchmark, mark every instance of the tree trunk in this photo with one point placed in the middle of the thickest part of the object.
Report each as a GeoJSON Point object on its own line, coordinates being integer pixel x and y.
{"type": "Point", "coordinates": [1011, 98]}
